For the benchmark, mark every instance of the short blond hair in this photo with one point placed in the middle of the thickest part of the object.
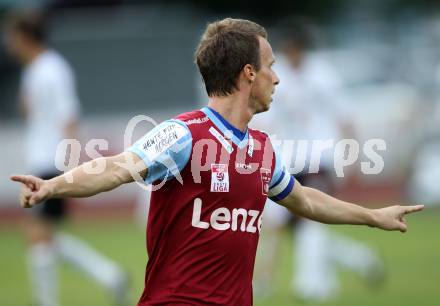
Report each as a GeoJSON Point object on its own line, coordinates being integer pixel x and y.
{"type": "Point", "coordinates": [225, 48]}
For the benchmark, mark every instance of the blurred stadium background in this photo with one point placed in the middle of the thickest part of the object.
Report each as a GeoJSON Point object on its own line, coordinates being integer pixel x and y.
{"type": "Point", "coordinates": [136, 57]}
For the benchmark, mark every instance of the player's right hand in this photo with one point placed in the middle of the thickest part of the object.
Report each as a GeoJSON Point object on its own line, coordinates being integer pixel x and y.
{"type": "Point", "coordinates": [33, 191]}
{"type": "Point", "coordinates": [392, 218]}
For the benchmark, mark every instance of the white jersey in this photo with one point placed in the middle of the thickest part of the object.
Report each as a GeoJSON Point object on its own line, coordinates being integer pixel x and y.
{"type": "Point", "coordinates": [48, 89]}
{"type": "Point", "coordinates": [307, 104]}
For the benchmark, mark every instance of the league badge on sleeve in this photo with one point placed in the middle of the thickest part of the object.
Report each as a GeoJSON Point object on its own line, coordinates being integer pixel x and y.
{"type": "Point", "coordinates": [265, 180]}
{"type": "Point", "coordinates": [219, 178]}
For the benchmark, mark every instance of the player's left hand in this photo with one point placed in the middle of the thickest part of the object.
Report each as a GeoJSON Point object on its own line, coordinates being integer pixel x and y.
{"type": "Point", "coordinates": [392, 218]}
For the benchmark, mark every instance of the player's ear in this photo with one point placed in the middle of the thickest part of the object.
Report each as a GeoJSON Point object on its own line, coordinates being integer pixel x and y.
{"type": "Point", "coordinates": [249, 72]}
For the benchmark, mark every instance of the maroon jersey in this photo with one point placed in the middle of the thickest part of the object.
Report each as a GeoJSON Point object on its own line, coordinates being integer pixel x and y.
{"type": "Point", "coordinates": [204, 222]}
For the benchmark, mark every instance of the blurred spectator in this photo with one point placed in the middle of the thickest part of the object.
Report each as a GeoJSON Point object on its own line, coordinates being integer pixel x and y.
{"type": "Point", "coordinates": [309, 105]}
{"type": "Point", "coordinates": [50, 107]}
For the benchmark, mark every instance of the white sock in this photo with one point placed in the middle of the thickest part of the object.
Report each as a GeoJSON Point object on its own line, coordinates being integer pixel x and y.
{"type": "Point", "coordinates": [42, 267]}
{"type": "Point", "coordinates": [315, 277]}
{"type": "Point", "coordinates": [88, 260]}
{"type": "Point", "coordinates": [353, 255]}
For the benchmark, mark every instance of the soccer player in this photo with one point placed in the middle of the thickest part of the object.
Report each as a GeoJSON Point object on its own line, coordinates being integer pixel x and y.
{"type": "Point", "coordinates": [50, 107]}
{"type": "Point", "coordinates": [214, 175]}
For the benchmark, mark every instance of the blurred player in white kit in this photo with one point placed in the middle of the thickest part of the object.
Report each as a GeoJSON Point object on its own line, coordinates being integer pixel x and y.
{"type": "Point", "coordinates": [50, 107]}
{"type": "Point", "coordinates": [308, 105]}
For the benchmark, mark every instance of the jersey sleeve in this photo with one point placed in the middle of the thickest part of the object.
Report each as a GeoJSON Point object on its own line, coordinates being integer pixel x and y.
{"type": "Point", "coordinates": [165, 150]}
{"type": "Point", "coordinates": [282, 181]}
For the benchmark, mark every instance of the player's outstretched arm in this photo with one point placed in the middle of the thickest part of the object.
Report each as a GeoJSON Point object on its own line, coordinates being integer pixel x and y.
{"type": "Point", "coordinates": [81, 181]}
{"type": "Point", "coordinates": [316, 205]}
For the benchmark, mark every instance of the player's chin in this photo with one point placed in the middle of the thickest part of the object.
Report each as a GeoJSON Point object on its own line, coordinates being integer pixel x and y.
{"type": "Point", "coordinates": [265, 107]}
{"type": "Point", "coordinates": [269, 102]}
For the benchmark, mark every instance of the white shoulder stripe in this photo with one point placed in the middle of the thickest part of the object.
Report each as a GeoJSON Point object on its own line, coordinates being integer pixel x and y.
{"type": "Point", "coordinates": [277, 189]}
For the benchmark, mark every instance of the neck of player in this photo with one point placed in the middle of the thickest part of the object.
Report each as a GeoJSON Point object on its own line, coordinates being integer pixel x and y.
{"type": "Point", "coordinates": [234, 108]}
{"type": "Point", "coordinates": [32, 52]}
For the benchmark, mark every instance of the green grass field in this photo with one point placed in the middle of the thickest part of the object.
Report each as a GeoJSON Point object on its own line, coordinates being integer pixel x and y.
{"type": "Point", "coordinates": [413, 265]}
